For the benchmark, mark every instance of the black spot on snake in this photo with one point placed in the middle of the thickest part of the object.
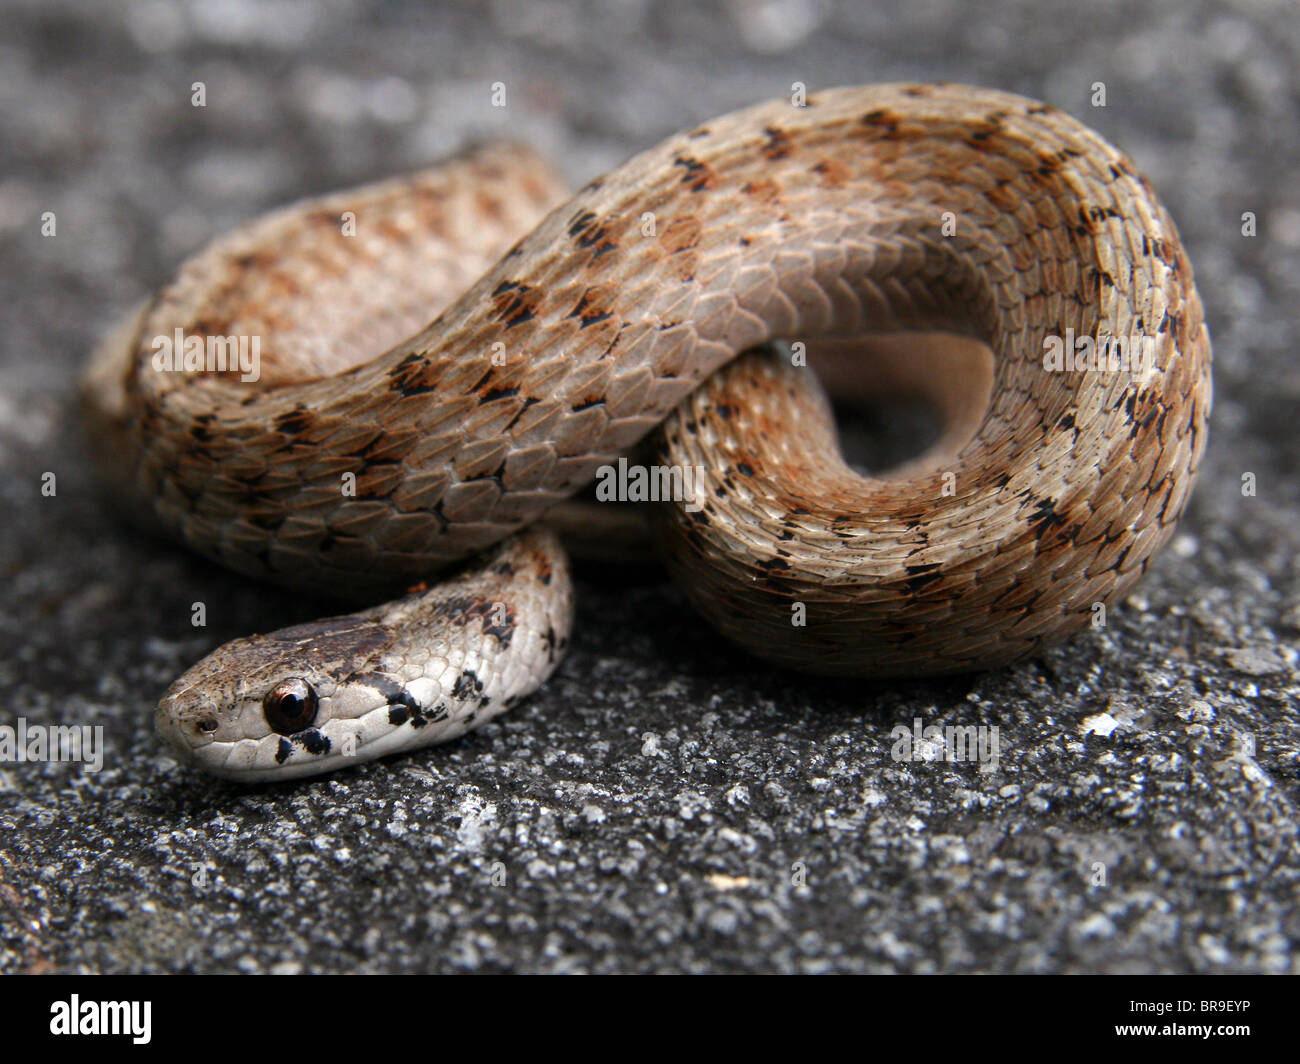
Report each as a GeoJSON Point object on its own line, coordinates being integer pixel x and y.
{"type": "Point", "coordinates": [497, 393]}
{"type": "Point", "coordinates": [588, 234]}
{"type": "Point", "coordinates": [313, 742]}
{"type": "Point", "coordinates": [407, 377]}
{"type": "Point", "coordinates": [580, 222]}
{"type": "Point", "coordinates": [1045, 514]}
{"type": "Point", "coordinates": [467, 684]}
{"type": "Point", "coordinates": [496, 622]}
{"type": "Point", "coordinates": [883, 121]}
{"type": "Point", "coordinates": [502, 632]}
{"type": "Point", "coordinates": [1101, 276]}
{"type": "Point", "coordinates": [698, 176]}
{"type": "Point", "coordinates": [199, 427]}
{"type": "Point", "coordinates": [402, 705]}
{"type": "Point", "coordinates": [778, 144]}
{"type": "Point", "coordinates": [918, 582]}
{"type": "Point", "coordinates": [525, 314]}
{"type": "Point", "coordinates": [295, 421]}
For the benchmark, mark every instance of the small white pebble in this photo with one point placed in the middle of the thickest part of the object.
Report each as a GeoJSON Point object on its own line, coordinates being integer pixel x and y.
{"type": "Point", "coordinates": [1255, 661]}
{"type": "Point", "coordinates": [1099, 724]}
{"type": "Point", "coordinates": [1098, 925]}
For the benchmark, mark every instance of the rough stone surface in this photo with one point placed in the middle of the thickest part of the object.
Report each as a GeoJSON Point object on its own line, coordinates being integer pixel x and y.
{"type": "Point", "coordinates": [665, 804]}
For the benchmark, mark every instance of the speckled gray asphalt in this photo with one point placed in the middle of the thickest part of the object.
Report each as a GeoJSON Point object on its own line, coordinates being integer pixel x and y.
{"type": "Point", "coordinates": [665, 803]}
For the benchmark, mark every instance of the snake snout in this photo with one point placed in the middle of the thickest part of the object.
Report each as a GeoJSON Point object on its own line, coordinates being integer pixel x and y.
{"type": "Point", "coordinates": [184, 722]}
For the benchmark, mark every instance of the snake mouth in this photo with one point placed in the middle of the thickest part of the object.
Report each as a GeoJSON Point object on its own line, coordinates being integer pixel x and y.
{"type": "Point", "coordinates": [173, 736]}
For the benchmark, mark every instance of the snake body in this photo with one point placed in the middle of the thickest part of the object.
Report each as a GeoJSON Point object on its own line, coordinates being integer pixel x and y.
{"type": "Point", "coordinates": [375, 449]}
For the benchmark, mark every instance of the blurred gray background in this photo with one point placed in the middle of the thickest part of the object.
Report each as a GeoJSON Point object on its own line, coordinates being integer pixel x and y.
{"type": "Point", "coordinates": [666, 803]}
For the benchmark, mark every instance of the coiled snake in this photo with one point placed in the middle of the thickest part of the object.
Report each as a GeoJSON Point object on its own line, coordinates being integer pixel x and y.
{"type": "Point", "coordinates": [373, 449]}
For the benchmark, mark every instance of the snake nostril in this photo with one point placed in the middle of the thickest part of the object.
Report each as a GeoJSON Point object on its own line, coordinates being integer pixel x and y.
{"type": "Point", "coordinates": [207, 724]}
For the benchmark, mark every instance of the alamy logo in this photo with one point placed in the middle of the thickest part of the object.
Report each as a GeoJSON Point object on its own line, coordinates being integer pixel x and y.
{"type": "Point", "coordinates": [638, 483]}
{"type": "Point", "coordinates": [1105, 354]}
{"type": "Point", "coordinates": [179, 353]}
{"type": "Point", "coordinates": [968, 742]}
{"type": "Point", "coordinates": [52, 742]}
{"type": "Point", "coordinates": [102, 1017]}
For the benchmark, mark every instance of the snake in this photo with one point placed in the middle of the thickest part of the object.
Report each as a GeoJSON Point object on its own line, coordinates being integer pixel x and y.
{"type": "Point", "coordinates": [448, 359]}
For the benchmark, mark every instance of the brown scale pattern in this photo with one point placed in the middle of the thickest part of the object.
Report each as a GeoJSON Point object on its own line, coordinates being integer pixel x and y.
{"type": "Point", "coordinates": [803, 223]}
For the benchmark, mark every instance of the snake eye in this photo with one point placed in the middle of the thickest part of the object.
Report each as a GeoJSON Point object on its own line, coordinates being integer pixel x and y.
{"type": "Point", "coordinates": [290, 706]}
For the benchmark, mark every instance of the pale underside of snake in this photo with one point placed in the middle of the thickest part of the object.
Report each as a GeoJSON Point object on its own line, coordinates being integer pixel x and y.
{"type": "Point", "coordinates": [376, 449]}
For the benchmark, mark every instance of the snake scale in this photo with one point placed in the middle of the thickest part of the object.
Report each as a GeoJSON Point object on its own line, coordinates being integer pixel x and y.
{"type": "Point", "coordinates": [376, 451]}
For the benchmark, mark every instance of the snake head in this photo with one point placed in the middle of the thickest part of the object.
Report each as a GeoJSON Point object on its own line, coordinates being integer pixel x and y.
{"type": "Point", "coordinates": [412, 672]}
{"type": "Point", "coordinates": [258, 708]}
